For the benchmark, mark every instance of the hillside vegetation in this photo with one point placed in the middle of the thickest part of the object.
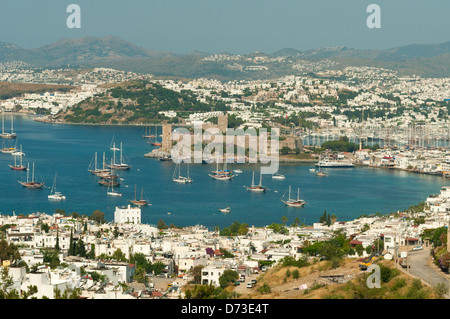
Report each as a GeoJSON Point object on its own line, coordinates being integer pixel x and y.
{"type": "Point", "coordinates": [137, 102]}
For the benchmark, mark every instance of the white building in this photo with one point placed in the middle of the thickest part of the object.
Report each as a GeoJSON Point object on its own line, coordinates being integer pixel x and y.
{"type": "Point", "coordinates": [128, 214]}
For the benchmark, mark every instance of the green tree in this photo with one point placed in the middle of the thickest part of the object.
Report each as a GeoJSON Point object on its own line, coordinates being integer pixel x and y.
{"type": "Point", "coordinates": [228, 276]}
{"type": "Point", "coordinates": [161, 225]}
{"type": "Point", "coordinates": [119, 255]}
{"type": "Point", "coordinates": [98, 217]}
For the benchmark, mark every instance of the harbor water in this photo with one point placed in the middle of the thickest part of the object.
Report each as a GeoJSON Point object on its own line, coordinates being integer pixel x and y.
{"type": "Point", "coordinates": [68, 150]}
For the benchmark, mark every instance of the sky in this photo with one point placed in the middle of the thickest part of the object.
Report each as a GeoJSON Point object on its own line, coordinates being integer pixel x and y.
{"type": "Point", "coordinates": [236, 26]}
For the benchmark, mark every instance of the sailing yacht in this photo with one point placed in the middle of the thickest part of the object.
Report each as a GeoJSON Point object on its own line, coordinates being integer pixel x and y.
{"type": "Point", "coordinates": [179, 178]}
{"type": "Point", "coordinates": [155, 137]}
{"type": "Point", "coordinates": [5, 134]}
{"type": "Point", "coordinates": [113, 193]}
{"type": "Point", "coordinates": [256, 188]}
{"type": "Point", "coordinates": [108, 178]}
{"type": "Point", "coordinates": [320, 172]}
{"type": "Point", "coordinates": [147, 133]}
{"type": "Point", "coordinates": [222, 175]}
{"type": "Point", "coordinates": [8, 149]}
{"type": "Point", "coordinates": [95, 170]}
{"type": "Point", "coordinates": [121, 165]}
{"type": "Point", "coordinates": [140, 202]}
{"type": "Point", "coordinates": [31, 184]}
{"type": "Point", "coordinates": [294, 202]}
{"type": "Point", "coordinates": [54, 195]}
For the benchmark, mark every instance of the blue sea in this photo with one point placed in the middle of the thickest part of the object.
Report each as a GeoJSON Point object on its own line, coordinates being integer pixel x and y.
{"type": "Point", "coordinates": [67, 150]}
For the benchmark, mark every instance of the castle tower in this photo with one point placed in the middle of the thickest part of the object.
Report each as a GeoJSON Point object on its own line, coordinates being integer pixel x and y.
{"type": "Point", "coordinates": [166, 138]}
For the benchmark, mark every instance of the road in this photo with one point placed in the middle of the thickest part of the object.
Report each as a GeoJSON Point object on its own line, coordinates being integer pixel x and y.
{"type": "Point", "coordinates": [421, 267]}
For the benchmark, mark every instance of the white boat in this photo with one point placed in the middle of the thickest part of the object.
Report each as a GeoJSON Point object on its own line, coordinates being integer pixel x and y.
{"type": "Point", "coordinates": [278, 176]}
{"type": "Point", "coordinates": [113, 193]}
{"type": "Point", "coordinates": [225, 210]}
{"type": "Point", "coordinates": [334, 163]}
{"type": "Point", "coordinates": [256, 188]}
{"type": "Point", "coordinates": [54, 195]}
{"type": "Point", "coordinates": [294, 202]}
{"type": "Point", "coordinates": [237, 171]}
{"type": "Point", "coordinates": [18, 153]}
{"type": "Point", "coordinates": [312, 170]}
{"type": "Point", "coordinates": [181, 179]}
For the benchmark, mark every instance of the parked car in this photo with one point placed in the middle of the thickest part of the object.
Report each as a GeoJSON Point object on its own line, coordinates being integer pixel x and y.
{"type": "Point", "coordinates": [249, 285]}
{"type": "Point", "coordinates": [253, 282]}
{"type": "Point", "coordinates": [417, 248]}
{"type": "Point", "coordinates": [237, 283]}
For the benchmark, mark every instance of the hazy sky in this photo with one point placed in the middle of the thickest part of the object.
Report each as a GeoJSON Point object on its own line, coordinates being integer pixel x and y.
{"type": "Point", "coordinates": [238, 26]}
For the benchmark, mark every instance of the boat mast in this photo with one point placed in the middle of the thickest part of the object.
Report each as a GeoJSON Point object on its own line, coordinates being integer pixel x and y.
{"type": "Point", "coordinates": [121, 162]}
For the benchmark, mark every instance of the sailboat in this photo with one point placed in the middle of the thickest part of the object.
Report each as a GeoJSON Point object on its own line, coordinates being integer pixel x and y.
{"type": "Point", "coordinates": [156, 143]}
{"type": "Point", "coordinates": [18, 167]}
{"type": "Point", "coordinates": [5, 134]}
{"type": "Point", "coordinates": [294, 202]}
{"type": "Point", "coordinates": [179, 178]}
{"type": "Point", "coordinates": [147, 134]}
{"type": "Point", "coordinates": [108, 178]}
{"type": "Point", "coordinates": [95, 170]}
{"type": "Point", "coordinates": [113, 193]}
{"type": "Point", "coordinates": [54, 195]}
{"type": "Point", "coordinates": [140, 202]}
{"type": "Point", "coordinates": [8, 149]}
{"type": "Point", "coordinates": [320, 172]}
{"type": "Point", "coordinates": [121, 165]}
{"type": "Point", "coordinates": [256, 188]}
{"type": "Point", "coordinates": [31, 184]}
{"type": "Point", "coordinates": [222, 175]}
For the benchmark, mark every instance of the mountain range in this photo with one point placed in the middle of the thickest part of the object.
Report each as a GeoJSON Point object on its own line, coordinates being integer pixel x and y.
{"type": "Point", "coordinates": [429, 60]}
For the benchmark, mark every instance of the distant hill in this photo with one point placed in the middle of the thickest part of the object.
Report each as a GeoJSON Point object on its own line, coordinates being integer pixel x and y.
{"type": "Point", "coordinates": [428, 60]}
{"type": "Point", "coordinates": [77, 52]}
{"type": "Point", "coordinates": [286, 52]}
